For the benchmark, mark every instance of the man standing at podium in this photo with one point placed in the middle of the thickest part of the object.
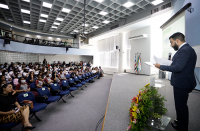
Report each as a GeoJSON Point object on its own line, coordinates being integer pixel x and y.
{"type": "Point", "coordinates": [182, 79]}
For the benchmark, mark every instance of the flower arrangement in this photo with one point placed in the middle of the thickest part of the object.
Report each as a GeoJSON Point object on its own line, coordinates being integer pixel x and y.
{"type": "Point", "coordinates": [148, 103]}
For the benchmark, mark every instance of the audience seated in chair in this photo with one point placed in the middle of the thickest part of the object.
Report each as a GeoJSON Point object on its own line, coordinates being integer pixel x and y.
{"type": "Point", "coordinates": [10, 109]}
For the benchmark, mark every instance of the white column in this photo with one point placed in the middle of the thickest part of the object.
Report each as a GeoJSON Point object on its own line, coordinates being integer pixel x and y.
{"type": "Point", "coordinates": [121, 53]}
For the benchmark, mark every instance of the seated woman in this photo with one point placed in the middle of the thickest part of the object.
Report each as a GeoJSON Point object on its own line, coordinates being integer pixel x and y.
{"type": "Point", "coordinates": [24, 87]}
{"type": "Point", "coordinates": [62, 76]}
{"type": "Point", "coordinates": [48, 80]}
{"type": "Point", "coordinates": [30, 79]}
{"type": "Point", "coordinates": [55, 78]}
{"type": "Point", "coordinates": [7, 108]}
{"type": "Point", "coordinates": [39, 82]}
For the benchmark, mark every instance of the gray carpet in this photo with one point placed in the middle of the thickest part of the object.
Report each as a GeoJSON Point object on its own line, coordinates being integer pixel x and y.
{"type": "Point", "coordinates": [125, 86]}
{"type": "Point", "coordinates": [80, 113]}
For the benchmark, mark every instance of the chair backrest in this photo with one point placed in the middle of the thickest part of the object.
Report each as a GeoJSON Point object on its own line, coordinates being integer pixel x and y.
{"type": "Point", "coordinates": [32, 85]}
{"type": "Point", "coordinates": [44, 91]}
{"type": "Point", "coordinates": [26, 96]}
{"type": "Point", "coordinates": [86, 74]}
{"type": "Point", "coordinates": [83, 75]}
{"type": "Point", "coordinates": [65, 83]}
{"type": "Point", "coordinates": [67, 76]}
{"type": "Point", "coordinates": [79, 77]}
{"type": "Point", "coordinates": [55, 86]}
{"type": "Point", "coordinates": [76, 78]}
{"type": "Point", "coordinates": [71, 80]}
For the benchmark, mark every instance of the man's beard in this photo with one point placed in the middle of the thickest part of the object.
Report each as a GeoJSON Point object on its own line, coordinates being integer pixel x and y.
{"type": "Point", "coordinates": [175, 47]}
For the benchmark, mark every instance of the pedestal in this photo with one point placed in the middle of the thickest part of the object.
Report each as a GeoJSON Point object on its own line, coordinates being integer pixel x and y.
{"type": "Point", "coordinates": [158, 81]}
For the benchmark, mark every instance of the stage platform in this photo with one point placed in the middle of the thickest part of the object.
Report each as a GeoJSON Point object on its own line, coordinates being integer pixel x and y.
{"type": "Point", "coordinates": [125, 86]}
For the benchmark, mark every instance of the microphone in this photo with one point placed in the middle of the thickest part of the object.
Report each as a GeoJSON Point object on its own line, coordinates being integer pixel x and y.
{"type": "Point", "coordinates": [169, 56]}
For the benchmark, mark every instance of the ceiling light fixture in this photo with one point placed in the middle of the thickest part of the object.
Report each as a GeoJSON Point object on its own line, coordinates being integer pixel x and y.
{"type": "Point", "coordinates": [42, 20]}
{"type": "Point", "coordinates": [156, 2]}
{"type": "Point", "coordinates": [85, 32]}
{"type": "Point", "coordinates": [66, 10]}
{"type": "Point", "coordinates": [55, 23]}
{"type": "Point", "coordinates": [95, 27]}
{"type": "Point", "coordinates": [43, 15]}
{"type": "Point", "coordinates": [45, 4]}
{"type": "Point", "coordinates": [27, 22]}
{"type": "Point", "coordinates": [85, 25]}
{"type": "Point", "coordinates": [53, 27]}
{"type": "Point", "coordinates": [26, 0]}
{"type": "Point", "coordinates": [25, 11]}
{"type": "Point", "coordinates": [75, 30]}
{"type": "Point", "coordinates": [103, 13]}
{"type": "Point", "coordinates": [99, 1]}
{"type": "Point", "coordinates": [128, 4]}
{"type": "Point", "coordinates": [59, 19]}
{"type": "Point", "coordinates": [4, 6]}
{"type": "Point", "coordinates": [106, 21]}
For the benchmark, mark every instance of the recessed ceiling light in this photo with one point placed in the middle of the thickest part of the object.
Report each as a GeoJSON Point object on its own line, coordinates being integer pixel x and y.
{"type": "Point", "coordinates": [53, 27]}
{"type": "Point", "coordinates": [85, 25]}
{"type": "Point", "coordinates": [75, 30]}
{"type": "Point", "coordinates": [43, 15]}
{"type": "Point", "coordinates": [27, 22]}
{"type": "Point", "coordinates": [38, 35]}
{"type": "Point", "coordinates": [4, 6]}
{"type": "Point", "coordinates": [156, 2]}
{"type": "Point", "coordinates": [59, 19]}
{"type": "Point", "coordinates": [42, 20]}
{"type": "Point", "coordinates": [26, 0]}
{"type": "Point", "coordinates": [48, 5]}
{"type": "Point", "coordinates": [106, 21]}
{"type": "Point", "coordinates": [66, 10]}
{"type": "Point", "coordinates": [56, 23]}
{"type": "Point", "coordinates": [25, 11]}
{"type": "Point", "coordinates": [95, 27]}
{"type": "Point", "coordinates": [99, 1]}
{"type": "Point", "coordinates": [128, 4]}
{"type": "Point", "coordinates": [85, 32]}
{"type": "Point", "coordinates": [61, 31]}
{"type": "Point", "coordinates": [103, 13]}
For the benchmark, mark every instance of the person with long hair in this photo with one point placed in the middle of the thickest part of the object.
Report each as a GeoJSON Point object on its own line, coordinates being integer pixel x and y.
{"type": "Point", "coordinates": [8, 104]}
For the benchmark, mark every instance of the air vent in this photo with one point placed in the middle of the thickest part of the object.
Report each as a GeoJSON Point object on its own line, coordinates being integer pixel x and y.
{"type": "Point", "coordinates": [113, 27]}
{"type": "Point", "coordinates": [162, 7]}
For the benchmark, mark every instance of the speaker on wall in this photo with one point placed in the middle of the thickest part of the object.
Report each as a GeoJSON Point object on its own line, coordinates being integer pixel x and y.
{"type": "Point", "coordinates": [74, 36]}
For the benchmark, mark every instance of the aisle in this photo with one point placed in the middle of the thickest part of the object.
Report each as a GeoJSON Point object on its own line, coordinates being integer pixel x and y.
{"type": "Point", "coordinates": [80, 113]}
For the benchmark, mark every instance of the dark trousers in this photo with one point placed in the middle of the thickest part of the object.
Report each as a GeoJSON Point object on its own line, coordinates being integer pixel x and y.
{"type": "Point", "coordinates": [182, 113]}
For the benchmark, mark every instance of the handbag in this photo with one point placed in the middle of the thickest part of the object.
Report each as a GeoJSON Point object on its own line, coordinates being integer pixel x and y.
{"type": "Point", "coordinates": [29, 102]}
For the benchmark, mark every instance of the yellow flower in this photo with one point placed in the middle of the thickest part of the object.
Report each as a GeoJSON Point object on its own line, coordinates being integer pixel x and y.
{"type": "Point", "coordinates": [136, 100]}
{"type": "Point", "coordinates": [134, 108]}
{"type": "Point", "coordinates": [134, 114]}
{"type": "Point", "coordinates": [147, 84]}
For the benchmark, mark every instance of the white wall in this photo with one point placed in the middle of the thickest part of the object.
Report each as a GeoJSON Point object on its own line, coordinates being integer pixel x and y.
{"type": "Point", "coordinates": [141, 46]}
{"type": "Point", "coordinates": [66, 58]}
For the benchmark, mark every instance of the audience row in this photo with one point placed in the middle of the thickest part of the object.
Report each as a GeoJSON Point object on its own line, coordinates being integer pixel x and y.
{"type": "Point", "coordinates": [36, 85]}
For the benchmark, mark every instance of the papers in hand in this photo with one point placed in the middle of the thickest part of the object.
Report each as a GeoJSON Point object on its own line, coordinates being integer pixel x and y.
{"type": "Point", "coordinates": [160, 61]}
